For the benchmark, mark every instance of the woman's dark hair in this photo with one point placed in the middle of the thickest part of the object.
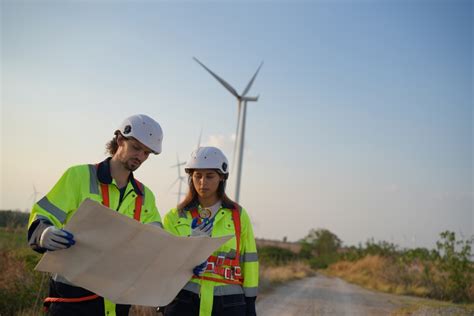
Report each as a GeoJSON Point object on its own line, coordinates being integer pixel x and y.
{"type": "Point", "coordinates": [192, 195]}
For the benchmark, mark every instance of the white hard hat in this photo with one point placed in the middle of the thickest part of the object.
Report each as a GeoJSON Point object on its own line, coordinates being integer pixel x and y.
{"type": "Point", "coordinates": [144, 129]}
{"type": "Point", "coordinates": [208, 158]}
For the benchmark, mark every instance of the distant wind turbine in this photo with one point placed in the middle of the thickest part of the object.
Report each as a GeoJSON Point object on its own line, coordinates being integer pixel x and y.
{"type": "Point", "coordinates": [242, 100]}
{"type": "Point", "coordinates": [33, 198]}
{"type": "Point", "coordinates": [199, 139]}
{"type": "Point", "coordinates": [180, 179]}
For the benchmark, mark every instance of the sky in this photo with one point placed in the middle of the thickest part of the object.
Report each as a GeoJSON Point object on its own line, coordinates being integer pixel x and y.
{"type": "Point", "coordinates": [363, 126]}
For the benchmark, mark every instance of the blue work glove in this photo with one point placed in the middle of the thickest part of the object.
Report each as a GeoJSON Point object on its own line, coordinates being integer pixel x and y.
{"type": "Point", "coordinates": [199, 270]}
{"type": "Point", "coordinates": [202, 229]}
{"type": "Point", "coordinates": [54, 238]}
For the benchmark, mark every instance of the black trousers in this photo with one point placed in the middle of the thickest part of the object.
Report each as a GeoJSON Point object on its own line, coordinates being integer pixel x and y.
{"type": "Point", "coordinates": [87, 308]}
{"type": "Point", "coordinates": [187, 303]}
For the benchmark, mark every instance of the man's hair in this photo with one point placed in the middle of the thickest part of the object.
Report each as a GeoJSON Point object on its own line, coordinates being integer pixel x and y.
{"type": "Point", "coordinates": [112, 146]}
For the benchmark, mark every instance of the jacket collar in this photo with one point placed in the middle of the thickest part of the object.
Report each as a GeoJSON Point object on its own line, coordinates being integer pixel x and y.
{"type": "Point", "coordinates": [195, 203]}
{"type": "Point", "coordinates": [104, 175]}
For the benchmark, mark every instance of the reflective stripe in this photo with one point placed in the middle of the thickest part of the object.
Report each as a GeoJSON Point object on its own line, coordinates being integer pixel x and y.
{"type": "Point", "coordinates": [230, 254]}
{"type": "Point", "coordinates": [246, 257]}
{"type": "Point", "coordinates": [53, 210]}
{"type": "Point", "coordinates": [228, 290]}
{"type": "Point", "coordinates": [220, 290]}
{"type": "Point", "coordinates": [249, 257]}
{"type": "Point", "coordinates": [157, 224]}
{"type": "Point", "coordinates": [192, 287]}
{"type": "Point", "coordinates": [93, 183]}
{"type": "Point", "coordinates": [182, 214]}
{"type": "Point", "coordinates": [250, 291]}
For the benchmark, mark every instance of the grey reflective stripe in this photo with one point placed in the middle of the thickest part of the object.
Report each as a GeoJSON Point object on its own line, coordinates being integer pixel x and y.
{"type": "Point", "coordinates": [220, 290]}
{"type": "Point", "coordinates": [229, 255]}
{"type": "Point", "coordinates": [53, 210]}
{"type": "Point", "coordinates": [250, 291]}
{"type": "Point", "coordinates": [192, 287]}
{"type": "Point", "coordinates": [228, 290]}
{"type": "Point", "coordinates": [249, 257]}
{"type": "Point", "coordinates": [157, 224]}
{"type": "Point", "coordinates": [182, 214]}
{"type": "Point", "coordinates": [59, 278]}
{"type": "Point", "coordinates": [93, 182]}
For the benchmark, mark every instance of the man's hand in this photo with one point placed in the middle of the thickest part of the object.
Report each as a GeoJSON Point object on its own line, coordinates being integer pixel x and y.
{"type": "Point", "coordinates": [53, 238]}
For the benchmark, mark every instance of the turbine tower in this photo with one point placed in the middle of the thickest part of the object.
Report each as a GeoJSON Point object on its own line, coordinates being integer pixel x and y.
{"type": "Point", "coordinates": [242, 100]}
{"type": "Point", "coordinates": [180, 179]}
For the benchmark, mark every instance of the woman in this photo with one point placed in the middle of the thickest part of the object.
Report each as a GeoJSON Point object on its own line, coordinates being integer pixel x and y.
{"type": "Point", "coordinates": [226, 284]}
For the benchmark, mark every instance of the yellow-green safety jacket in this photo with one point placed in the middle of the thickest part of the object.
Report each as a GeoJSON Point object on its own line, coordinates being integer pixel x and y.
{"type": "Point", "coordinates": [77, 184]}
{"type": "Point", "coordinates": [178, 223]}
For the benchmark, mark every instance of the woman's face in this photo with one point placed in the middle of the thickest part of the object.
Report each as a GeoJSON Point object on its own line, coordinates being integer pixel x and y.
{"type": "Point", "coordinates": [206, 182]}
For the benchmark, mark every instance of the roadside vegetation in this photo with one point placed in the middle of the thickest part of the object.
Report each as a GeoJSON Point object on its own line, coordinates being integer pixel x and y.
{"type": "Point", "coordinates": [445, 273]}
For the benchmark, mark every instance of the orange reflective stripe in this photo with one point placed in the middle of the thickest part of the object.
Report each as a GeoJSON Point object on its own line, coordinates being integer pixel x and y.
{"type": "Point", "coordinates": [104, 188]}
{"type": "Point", "coordinates": [138, 203]}
{"type": "Point", "coordinates": [236, 218]}
{"type": "Point", "coordinates": [70, 300]}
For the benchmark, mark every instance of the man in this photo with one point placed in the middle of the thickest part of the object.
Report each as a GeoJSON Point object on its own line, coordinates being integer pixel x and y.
{"type": "Point", "coordinates": [111, 183]}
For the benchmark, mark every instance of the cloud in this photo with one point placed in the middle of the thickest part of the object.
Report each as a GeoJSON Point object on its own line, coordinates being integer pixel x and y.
{"type": "Point", "coordinates": [224, 142]}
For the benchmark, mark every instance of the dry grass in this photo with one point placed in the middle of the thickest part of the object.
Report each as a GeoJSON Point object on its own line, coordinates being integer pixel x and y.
{"type": "Point", "coordinates": [382, 274]}
{"type": "Point", "coordinates": [281, 274]}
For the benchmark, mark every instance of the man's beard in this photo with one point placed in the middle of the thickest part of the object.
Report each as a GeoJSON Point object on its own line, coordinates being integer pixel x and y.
{"type": "Point", "coordinates": [130, 165]}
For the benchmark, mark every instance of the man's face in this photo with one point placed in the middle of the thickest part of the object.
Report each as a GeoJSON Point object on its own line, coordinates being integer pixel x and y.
{"type": "Point", "coordinates": [131, 153]}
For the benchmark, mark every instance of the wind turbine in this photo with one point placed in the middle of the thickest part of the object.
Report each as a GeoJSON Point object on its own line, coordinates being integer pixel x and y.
{"type": "Point", "coordinates": [180, 179]}
{"type": "Point", "coordinates": [242, 100]}
{"type": "Point", "coordinates": [34, 196]}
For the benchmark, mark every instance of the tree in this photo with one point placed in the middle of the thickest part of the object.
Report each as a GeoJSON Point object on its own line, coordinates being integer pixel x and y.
{"type": "Point", "coordinates": [322, 241]}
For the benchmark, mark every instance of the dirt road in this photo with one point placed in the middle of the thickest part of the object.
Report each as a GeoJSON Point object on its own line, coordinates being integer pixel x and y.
{"type": "Point", "coordinates": [321, 295]}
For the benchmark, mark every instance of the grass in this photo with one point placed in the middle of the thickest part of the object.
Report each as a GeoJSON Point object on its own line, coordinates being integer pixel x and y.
{"type": "Point", "coordinates": [435, 308]}
{"type": "Point", "coordinates": [386, 275]}
{"type": "Point", "coordinates": [21, 288]}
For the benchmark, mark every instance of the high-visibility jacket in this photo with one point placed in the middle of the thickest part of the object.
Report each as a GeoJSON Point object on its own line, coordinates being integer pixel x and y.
{"type": "Point", "coordinates": [179, 223]}
{"type": "Point", "coordinates": [84, 182]}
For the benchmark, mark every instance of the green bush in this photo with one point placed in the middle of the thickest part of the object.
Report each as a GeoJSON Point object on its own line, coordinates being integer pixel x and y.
{"type": "Point", "coordinates": [323, 261]}
{"type": "Point", "coordinates": [455, 262]}
{"type": "Point", "coordinates": [13, 218]}
{"type": "Point", "coordinates": [272, 256]}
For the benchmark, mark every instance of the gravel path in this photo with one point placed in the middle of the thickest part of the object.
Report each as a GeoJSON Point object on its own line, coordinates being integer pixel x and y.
{"type": "Point", "coordinates": [321, 295]}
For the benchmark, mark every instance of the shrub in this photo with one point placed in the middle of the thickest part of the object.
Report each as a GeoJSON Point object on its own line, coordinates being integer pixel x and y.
{"type": "Point", "coordinates": [271, 255]}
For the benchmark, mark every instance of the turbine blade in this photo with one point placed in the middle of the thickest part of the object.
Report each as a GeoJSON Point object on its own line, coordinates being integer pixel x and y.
{"type": "Point", "coordinates": [222, 81]}
{"type": "Point", "coordinates": [249, 85]}
{"type": "Point", "coordinates": [199, 139]}
{"type": "Point", "coordinates": [179, 164]}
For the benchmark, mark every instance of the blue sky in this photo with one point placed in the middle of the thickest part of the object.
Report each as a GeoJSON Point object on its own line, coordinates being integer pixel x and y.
{"type": "Point", "coordinates": [363, 127]}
